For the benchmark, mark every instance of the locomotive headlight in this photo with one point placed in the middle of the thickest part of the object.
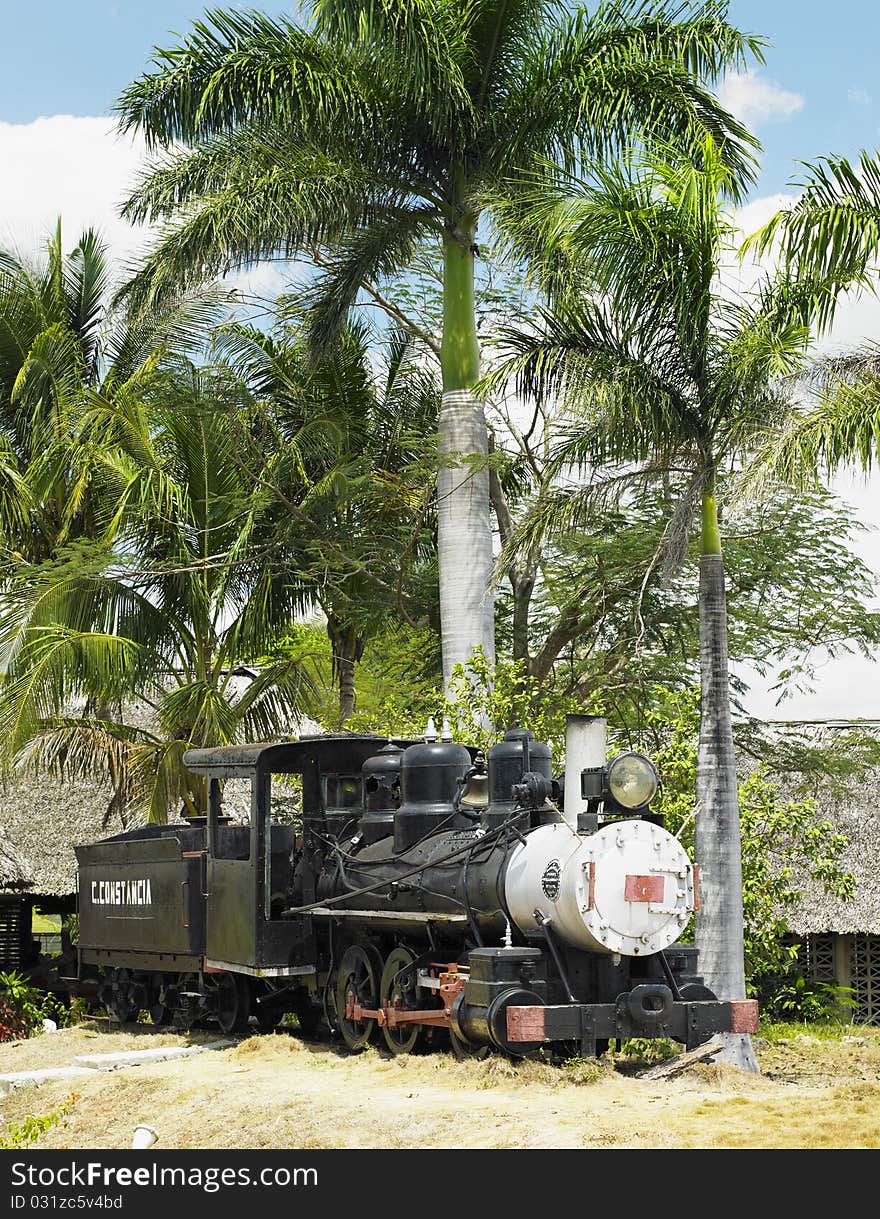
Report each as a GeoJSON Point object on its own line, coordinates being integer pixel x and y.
{"type": "Point", "coordinates": [632, 780]}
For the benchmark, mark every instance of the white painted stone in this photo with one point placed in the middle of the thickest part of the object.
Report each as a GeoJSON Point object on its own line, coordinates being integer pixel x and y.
{"type": "Point", "coordinates": [23, 1079]}
{"type": "Point", "coordinates": [135, 1058]}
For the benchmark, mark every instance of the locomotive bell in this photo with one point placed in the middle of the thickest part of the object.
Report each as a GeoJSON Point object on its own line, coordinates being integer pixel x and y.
{"type": "Point", "coordinates": [475, 793]}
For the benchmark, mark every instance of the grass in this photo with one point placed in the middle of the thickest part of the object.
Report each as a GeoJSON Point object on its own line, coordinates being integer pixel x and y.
{"type": "Point", "coordinates": [832, 1030]}
{"type": "Point", "coordinates": [817, 1089]}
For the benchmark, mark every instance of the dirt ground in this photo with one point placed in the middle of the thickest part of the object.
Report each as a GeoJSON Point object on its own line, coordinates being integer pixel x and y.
{"type": "Point", "coordinates": [281, 1091]}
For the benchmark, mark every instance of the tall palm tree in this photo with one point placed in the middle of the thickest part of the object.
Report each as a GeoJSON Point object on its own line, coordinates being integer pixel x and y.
{"type": "Point", "coordinates": [669, 373]}
{"type": "Point", "coordinates": [385, 125]}
{"type": "Point", "coordinates": [184, 581]}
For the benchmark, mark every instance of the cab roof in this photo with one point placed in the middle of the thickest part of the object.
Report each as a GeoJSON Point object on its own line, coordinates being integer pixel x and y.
{"type": "Point", "coordinates": [332, 751]}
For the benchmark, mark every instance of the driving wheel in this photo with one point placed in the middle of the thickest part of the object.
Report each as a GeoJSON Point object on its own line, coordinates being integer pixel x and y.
{"type": "Point", "coordinates": [357, 981]}
{"type": "Point", "coordinates": [398, 989]}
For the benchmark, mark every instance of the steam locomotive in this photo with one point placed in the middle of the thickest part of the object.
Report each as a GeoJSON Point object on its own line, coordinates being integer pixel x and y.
{"type": "Point", "coordinates": [424, 894]}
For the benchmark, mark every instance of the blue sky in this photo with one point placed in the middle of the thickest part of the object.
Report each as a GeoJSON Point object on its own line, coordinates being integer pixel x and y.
{"type": "Point", "coordinates": [74, 56]}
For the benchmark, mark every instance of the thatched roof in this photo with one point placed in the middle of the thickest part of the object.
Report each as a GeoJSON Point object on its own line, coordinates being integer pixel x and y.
{"type": "Point", "coordinates": [46, 819]}
{"type": "Point", "coordinates": [15, 872]}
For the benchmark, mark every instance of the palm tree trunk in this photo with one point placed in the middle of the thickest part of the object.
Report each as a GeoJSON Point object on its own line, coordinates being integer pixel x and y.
{"type": "Point", "coordinates": [717, 842]}
{"type": "Point", "coordinates": [464, 523]}
{"type": "Point", "coordinates": [347, 648]}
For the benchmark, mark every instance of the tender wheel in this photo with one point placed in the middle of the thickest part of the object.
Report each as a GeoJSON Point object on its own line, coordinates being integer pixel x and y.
{"type": "Point", "coordinates": [230, 1001]}
{"type": "Point", "coordinates": [398, 989]}
{"type": "Point", "coordinates": [121, 1002]}
{"type": "Point", "coordinates": [187, 1002]}
{"type": "Point", "coordinates": [358, 981]}
{"type": "Point", "coordinates": [159, 1014]}
{"type": "Point", "coordinates": [161, 1005]}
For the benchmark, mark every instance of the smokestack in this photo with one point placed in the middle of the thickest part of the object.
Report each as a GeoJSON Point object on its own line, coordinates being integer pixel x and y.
{"type": "Point", "coordinates": [585, 744]}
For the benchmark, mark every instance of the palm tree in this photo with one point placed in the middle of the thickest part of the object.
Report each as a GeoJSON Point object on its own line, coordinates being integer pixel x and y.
{"type": "Point", "coordinates": [184, 582]}
{"type": "Point", "coordinates": [670, 374]}
{"type": "Point", "coordinates": [60, 343]}
{"type": "Point", "coordinates": [384, 126]}
{"type": "Point", "coordinates": [342, 449]}
{"type": "Point", "coordinates": [829, 240]}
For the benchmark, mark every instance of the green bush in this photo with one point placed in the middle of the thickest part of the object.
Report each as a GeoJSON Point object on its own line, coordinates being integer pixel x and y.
{"type": "Point", "coordinates": [23, 1008]}
{"type": "Point", "coordinates": [796, 998]}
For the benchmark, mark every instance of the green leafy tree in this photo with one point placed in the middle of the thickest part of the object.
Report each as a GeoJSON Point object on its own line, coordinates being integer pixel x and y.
{"type": "Point", "coordinates": [794, 584]}
{"type": "Point", "coordinates": [343, 446]}
{"type": "Point", "coordinates": [385, 125]}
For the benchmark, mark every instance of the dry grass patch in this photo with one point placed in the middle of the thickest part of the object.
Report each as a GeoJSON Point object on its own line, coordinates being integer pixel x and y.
{"type": "Point", "coordinates": [279, 1091]}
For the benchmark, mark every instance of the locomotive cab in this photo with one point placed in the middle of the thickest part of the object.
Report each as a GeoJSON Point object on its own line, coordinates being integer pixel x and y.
{"type": "Point", "coordinates": [250, 875]}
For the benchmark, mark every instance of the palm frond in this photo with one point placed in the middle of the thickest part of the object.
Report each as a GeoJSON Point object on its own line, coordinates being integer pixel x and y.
{"type": "Point", "coordinates": [232, 67]}
{"type": "Point", "coordinates": [840, 429]}
{"type": "Point", "coordinates": [365, 254]}
{"type": "Point", "coordinates": [280, 214]}
{"type": "Point", "coordinates": [831, 234]}
{"type": "Point", "coordinates": [628, 72]}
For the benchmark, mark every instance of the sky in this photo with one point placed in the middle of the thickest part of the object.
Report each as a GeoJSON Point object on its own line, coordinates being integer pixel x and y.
{"type": "Point", "coordinates": [62, 65]}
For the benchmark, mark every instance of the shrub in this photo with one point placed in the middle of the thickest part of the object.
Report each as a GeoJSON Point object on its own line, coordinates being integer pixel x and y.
{"type": "Point", "coordinates": [796, 998]}
{"type": "Point", "coordinates": [23, 1008]}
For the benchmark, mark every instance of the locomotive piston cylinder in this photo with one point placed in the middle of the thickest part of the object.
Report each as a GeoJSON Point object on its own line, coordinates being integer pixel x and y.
{"type": "Point", "coordinates": [499, 978]}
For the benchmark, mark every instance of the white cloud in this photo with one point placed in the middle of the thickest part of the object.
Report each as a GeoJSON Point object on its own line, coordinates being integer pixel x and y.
{"type": "Point", "coordinates": [81, 169]}
{"type": "Point", "coordinates": [754, 100]}
{"type": "Point", "coordinates": [72, 167]}
{"type": "Point", "coordinates": [755, 215]}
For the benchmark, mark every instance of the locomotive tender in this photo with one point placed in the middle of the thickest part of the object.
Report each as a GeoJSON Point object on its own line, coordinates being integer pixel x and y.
{"type": "Point", "coordinates": [428, 892]}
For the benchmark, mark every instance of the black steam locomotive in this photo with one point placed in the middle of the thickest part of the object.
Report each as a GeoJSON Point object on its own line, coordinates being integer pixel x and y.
{"type": "Point", "coordinates": [423, 894]}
